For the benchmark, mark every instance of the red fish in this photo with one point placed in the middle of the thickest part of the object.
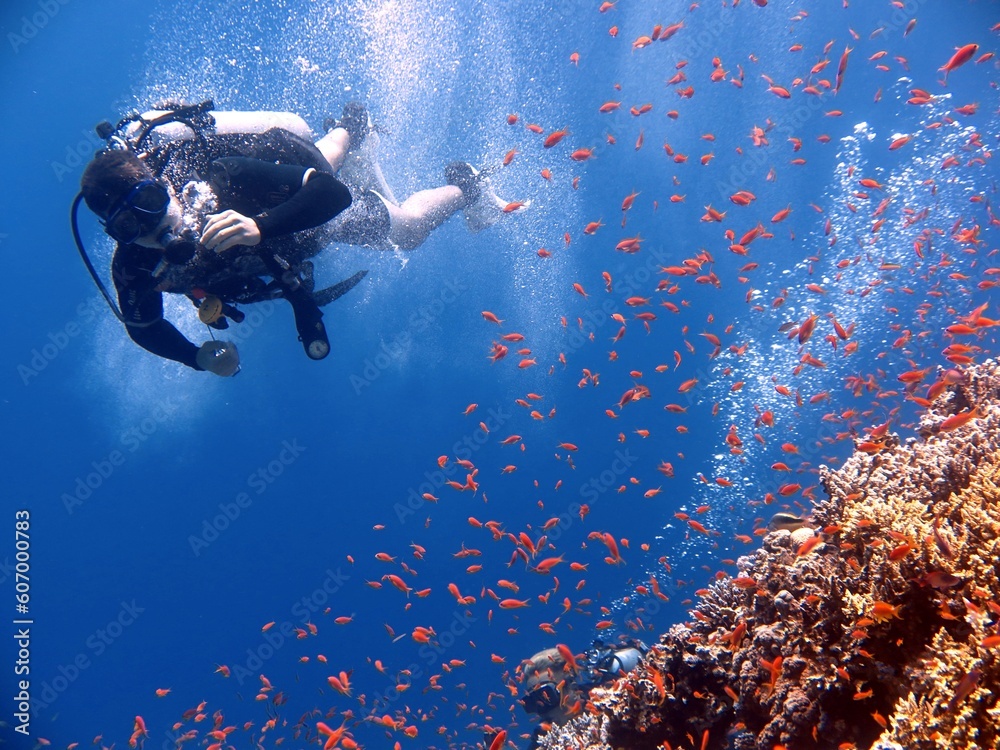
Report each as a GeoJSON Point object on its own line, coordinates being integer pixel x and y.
{"type": "Point", "coordinates": [553, 138]}
{"type": "Point", "coordinates": [841, 68]}
{"type": "Point", "coordinates": [962, 55]}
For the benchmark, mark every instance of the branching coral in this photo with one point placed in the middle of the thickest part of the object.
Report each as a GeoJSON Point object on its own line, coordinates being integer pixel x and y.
{"type": "Point", "coordinates": [882, 631]}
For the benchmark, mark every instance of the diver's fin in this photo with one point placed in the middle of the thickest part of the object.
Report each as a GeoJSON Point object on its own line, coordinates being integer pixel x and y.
{"type": "Point", "coordinates": [487, 210]}
{"type": "Point", "coordinates": [325, 296]}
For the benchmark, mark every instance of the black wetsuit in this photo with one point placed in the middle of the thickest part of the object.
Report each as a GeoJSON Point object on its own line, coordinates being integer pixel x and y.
{"type": "Point", "coordinates": [286, 211]}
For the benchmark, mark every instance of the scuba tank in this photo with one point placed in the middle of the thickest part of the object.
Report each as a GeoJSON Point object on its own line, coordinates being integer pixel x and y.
{"type": "Point", "coordinates": [223, 123]}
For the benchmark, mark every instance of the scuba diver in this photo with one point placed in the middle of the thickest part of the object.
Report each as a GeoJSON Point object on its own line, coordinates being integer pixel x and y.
{"type": "Point", "coordinates": [556, 690]}
{"type": "Point", "coordinates": [228, 207]}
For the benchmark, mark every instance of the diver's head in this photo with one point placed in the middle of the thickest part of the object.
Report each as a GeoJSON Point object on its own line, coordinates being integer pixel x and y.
{"type": "Point", "coordinates": [547, 691]}
{"type": "Point", "coordinates": [132, 204]}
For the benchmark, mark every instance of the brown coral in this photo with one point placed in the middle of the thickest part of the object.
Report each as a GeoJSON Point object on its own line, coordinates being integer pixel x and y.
{"type": "Point", "coordinates": [879, 636]}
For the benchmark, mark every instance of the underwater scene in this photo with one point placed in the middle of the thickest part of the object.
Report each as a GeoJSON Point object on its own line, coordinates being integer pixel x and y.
{"type": "Point", "coordinates": [580, 374]}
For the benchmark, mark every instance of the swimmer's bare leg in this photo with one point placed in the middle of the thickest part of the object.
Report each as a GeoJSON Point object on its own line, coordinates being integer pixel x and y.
{"type": "Point", "coordinates": [334, 147]}
{"type": "Point", "coordinates": [423, 212]}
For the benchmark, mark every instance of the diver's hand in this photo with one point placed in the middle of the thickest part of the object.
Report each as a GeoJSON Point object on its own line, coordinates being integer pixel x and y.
{"type": "Point", "coordinates": [218, 357]}
{"type": "Point", "coordinates": [228, 229]}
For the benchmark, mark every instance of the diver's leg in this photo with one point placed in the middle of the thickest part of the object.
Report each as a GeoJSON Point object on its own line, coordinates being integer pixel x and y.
{"type": "Point", "coordinates": [423, 212]}
{"type": "Point", "coordinates": [334, 147]}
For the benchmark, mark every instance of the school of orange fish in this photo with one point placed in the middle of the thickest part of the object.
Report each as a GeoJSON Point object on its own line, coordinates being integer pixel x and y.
{"type": "Point", "coordinates": [544, 585]}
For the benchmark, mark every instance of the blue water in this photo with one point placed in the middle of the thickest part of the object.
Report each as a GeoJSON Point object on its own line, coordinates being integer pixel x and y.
{"type": "Point", "coordinates": [129, 592]}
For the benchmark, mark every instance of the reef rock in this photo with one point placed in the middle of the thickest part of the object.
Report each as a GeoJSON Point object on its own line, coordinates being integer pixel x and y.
{"type": "Point", "coordinates": [879, 630]}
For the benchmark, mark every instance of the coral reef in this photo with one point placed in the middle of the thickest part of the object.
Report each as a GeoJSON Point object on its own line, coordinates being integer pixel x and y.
{"type": "Point", "coordinates": [876, 628]}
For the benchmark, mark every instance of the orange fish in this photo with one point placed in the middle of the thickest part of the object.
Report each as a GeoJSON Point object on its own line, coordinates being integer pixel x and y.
{"type": "Point", "coordinates": [841, 68]}
{"type": "Point", "coordinates": [781, 215]}
{"type": "Point", "coordinates": [962, 55]}
{"type": "Point", "coordinates": [568, 656]}
{"type": "Point", "coordinates": [687, 385]}
{"type": "Point", "coordinates": [629, 200]}
{"type": "Point", "coordinates": [957, 420]}
{"type": "Point", "coordinates": [808, 546]}
{"type": "Point", "coordinates": [553, 138]}
{"type": "Point", "coordinates": [513, 603]}
{"type": "Point", "coordinates": [545, 566]}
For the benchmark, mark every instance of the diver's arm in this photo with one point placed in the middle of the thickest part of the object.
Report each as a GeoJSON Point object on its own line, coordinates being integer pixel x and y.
{"type": "Point", "coordinates": [142, 308]}
{"type": "Point", "coordinates": [321, 197]}
{"type": "Point", "coordinates": [163, 340]}
{"type": "Point", "coordinates": [314, 197]}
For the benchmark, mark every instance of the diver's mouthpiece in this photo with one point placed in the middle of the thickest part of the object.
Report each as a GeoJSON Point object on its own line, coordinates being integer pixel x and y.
{"type": "Point", "coordinates": [176, 249]}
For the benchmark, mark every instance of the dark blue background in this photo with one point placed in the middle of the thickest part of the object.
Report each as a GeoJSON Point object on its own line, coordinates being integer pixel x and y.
{"type": "Point", "coordinates": [443, 83]}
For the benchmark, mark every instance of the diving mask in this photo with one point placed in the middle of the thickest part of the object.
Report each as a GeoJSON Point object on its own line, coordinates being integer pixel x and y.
{"type": "Point", "coordinates": [138, 212]}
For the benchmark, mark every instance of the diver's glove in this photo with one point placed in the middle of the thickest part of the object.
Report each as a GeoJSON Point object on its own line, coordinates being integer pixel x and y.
{"type": "Point", "coordinates": [219, 357]}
